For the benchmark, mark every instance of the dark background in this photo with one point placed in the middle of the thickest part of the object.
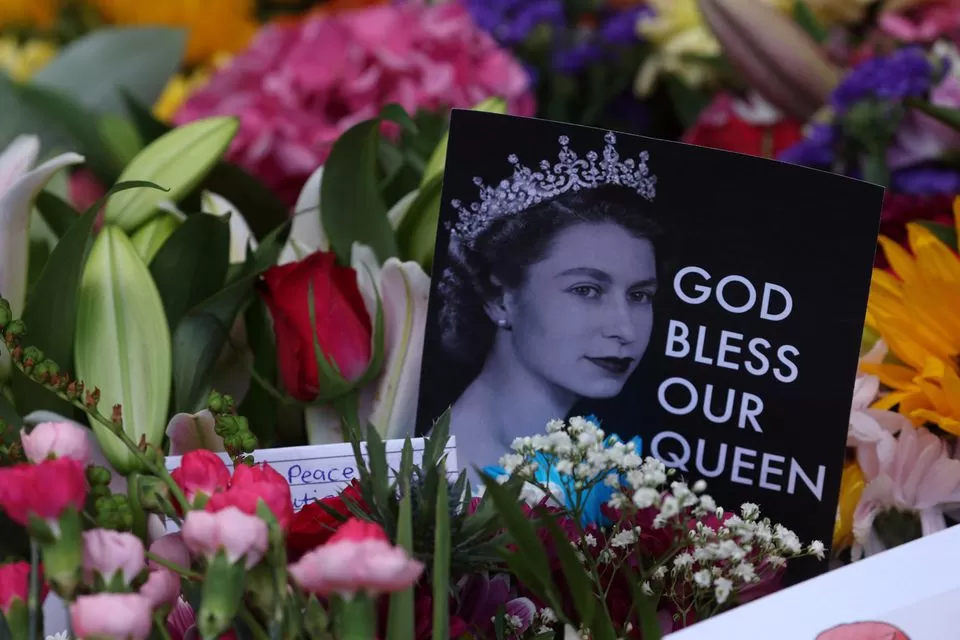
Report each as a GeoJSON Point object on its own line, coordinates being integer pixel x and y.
{"type": "Point", "coordinates": [812, 232]}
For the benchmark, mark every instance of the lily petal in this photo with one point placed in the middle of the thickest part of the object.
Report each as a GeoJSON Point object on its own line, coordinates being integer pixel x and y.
{"type": "Point", "coordinates": [306, 233]}
{"type": "Point", "coordinates": [16, 204]}
{"type": "Point", "coordinates": [240, 235]}
{"type": "Point", "coordinates": [399, 210]}
{"type": "Point", "coordinates": [190, 432]}
{"type": "Point", "coordinates": [405, 290]}
{"type": "Point", "coordinates": [364, 261]}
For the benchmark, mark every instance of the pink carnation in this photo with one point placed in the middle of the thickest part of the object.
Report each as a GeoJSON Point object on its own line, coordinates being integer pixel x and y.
{"type": "Point", "coordinates": [299, 86]}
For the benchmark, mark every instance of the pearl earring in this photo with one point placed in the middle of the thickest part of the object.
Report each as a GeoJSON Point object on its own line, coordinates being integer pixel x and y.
{"type": "Point", "coordinates": [502, 323]}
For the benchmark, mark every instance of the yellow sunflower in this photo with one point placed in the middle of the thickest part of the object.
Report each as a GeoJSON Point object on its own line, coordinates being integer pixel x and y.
{"type": "Point", "coordinates": [917, 313]}
{"type": "Point", "coordinates": [214, 26]}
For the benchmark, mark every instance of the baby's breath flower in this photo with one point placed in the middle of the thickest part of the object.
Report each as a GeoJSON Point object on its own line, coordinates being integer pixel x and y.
{"type": "Point", "coordinates": [750, 511]}
{"type": "Point", "coordinates": [645, 498]}
{"type": "Point", "coordinates": [722, 588]}
{"type": "Point", "coordinates": [817, 549]}
{"type": "Point", "coordinates": [646, 589]}
{"type": "Point", "coordinates": [703, 578]}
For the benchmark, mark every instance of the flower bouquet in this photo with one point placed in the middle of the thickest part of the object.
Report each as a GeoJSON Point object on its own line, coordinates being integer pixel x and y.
{"type": "Point", "coordinates": [400, 553]}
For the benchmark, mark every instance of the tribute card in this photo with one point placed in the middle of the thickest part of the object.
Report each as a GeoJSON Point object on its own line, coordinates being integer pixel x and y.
{"type": "Point", "coordinates": [708, 302]}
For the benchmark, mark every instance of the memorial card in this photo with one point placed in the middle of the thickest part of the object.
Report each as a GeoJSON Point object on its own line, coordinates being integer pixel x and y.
{"type": "Point", "coordinates": [693, 298]}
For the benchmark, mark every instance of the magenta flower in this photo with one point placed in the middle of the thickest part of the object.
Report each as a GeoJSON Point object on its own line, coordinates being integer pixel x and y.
{"type": "Point", "coordinates": [299, 86]}
{"type": "Point", "coordinates": [480, 598]}
{"type": "Point", "coordinates": [161, 588]}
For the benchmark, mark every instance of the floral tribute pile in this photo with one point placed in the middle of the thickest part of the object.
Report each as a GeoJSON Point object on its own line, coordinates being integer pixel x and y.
{"type": "Point", "coordinates": [417, 556]}
{"type": "Point", "coordinates": [184, 184]}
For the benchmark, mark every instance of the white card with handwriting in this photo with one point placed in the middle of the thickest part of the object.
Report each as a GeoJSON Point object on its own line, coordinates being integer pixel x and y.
{"type": "Point", "coordinates": [315, 472]}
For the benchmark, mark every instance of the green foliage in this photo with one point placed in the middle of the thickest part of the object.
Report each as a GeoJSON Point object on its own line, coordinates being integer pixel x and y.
{"type": "Point", "coordinates": [140, 60]}
{"type": "Point", "coordinates": [808, 21]}
{"type": "Point", "coordinates": [474, 539]}
{"type": "Point", "coordinates": [201, 333]}
{"type": "Point", "coordinates": [192, 264]}
{"type": "Point", "coordinates": [260, 405]}
{"type": "Point", "coordinates": [51, 309]}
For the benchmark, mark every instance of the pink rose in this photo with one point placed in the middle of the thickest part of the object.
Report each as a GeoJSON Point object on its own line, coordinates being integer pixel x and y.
{"type": "Point", "coordinates": [201, 473]}
{"type": "Point", "coordinates": [240, 535]}
{"type": "Point", "coordinates": [107, 553]}
{"type": "Point", "coordinates": [925, 24]}
{"type": "Point", "coordinates": [161, 588]}
{"type": "Point", "coordinates": [171, 548]}
{"type": "Point", "coordinates": [56, 440]}
{"type": "Point", "coordinates": [112, 615]}
{"type": "Point", "coordinates": [357, 558]}
{"type": "Point", "coordinates": [291, 109]}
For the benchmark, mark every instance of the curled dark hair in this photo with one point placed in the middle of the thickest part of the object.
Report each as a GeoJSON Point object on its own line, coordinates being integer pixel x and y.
{"type": "Point", "coordinates": [509, 245]}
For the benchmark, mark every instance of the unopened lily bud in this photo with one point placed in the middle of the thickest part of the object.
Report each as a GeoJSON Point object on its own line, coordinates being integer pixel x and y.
{"type": "Point", "coordinates": [773, 54]}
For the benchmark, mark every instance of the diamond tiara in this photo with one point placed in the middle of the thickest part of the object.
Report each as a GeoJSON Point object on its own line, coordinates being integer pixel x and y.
{"type": "Point", "coordinates": [528, 187]}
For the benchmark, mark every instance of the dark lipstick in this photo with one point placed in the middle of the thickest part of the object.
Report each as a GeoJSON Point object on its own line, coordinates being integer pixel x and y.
{"type": "Point", "coordinates": [617, 366]}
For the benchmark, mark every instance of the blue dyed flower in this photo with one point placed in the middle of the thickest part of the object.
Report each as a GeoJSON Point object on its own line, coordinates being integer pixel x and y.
{"type": "Point", "coordinates": [511, 22]}
{"type": "Point", "coordinates": [589, 500]}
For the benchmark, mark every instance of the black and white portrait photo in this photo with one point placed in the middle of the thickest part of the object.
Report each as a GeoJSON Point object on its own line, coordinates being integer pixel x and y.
{"type": "Point", "coordinates": [674, 294]}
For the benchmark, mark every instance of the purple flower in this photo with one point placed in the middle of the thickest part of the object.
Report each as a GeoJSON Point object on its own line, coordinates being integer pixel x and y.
{"type": "Point", "coordinates": [926, 180]}
{"type": "Point", "coordinates": [903, 74]}
{"type": "Point", "coordinates": [480, 597]}
{"type": "Point", "coordinates": [511, 22]}
{"type": "Point", "coordinates": [816, 150]}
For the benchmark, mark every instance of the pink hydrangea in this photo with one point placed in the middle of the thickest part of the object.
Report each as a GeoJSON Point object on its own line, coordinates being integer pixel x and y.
{"type": "Point", "coordinates": [299, 86]}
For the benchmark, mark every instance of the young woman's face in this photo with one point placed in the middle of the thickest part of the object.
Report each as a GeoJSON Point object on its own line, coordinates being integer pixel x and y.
{"type": "Point", "coordinates": [582, 318]}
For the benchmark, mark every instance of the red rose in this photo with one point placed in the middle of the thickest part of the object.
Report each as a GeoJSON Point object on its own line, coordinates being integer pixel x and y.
{"type": "Point", "coordinates": [734, 125]}
{"type": "Point", "coordinates": [343, 328]}
{"type": "Point", "coordinates": [201, 472]}
{"type": "Point", "coordinates": [249, 485]}
{"type": "Point", "coordinates": [44, 489]}
{"type": "Point", "coordinates": [15, 584]}
{"type": "Point", "coordinates": [314, 525]}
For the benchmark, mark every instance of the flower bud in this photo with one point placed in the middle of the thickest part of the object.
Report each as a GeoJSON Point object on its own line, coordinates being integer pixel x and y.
{"type": "Point", "coordinates": [153, 495]}
{"type": "Point", "coordinates": [98, 476]}
{"type": "Point", "coordinates": [115, 512]}
{"type": "Point", "coordinates": [775, 56]}
{"type": "Point", "coordinates": [92, 399]}
{"type": "Point", "coordinates": [46, 371]}
{"type": "Point", "coordinates": [115, 556]}
{"type": "Point", "coordinates": [219, 403]}
{"type": "Point", "coordinates": [56, 440]}
{"type": "Point", "coordinates": [32, 356]}
{"type": "Point", "coordinates": [15, 330]}
{"type": "Point", "coordinates": [229, 425]}
{"type": "Point", "coordinates": [74, 390]}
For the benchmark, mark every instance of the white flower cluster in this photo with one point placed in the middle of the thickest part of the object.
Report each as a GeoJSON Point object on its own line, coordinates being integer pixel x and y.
{"type": "Point", "coordinates": [580, 448]}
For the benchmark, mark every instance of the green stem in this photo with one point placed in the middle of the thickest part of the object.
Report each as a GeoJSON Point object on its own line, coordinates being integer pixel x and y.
{"type": "Point", "coordinates": [163, 562]}
{"type": "Point", "coordinates": [253, 624]}
{"type": "Point", "coordinates": [33, 597]}
{"type": "Point", "coordinates": [160, 624]}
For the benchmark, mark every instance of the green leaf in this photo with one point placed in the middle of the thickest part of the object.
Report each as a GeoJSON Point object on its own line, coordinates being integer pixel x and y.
{"type": "Point", "coordinates": [178, 160]}
{"type": "Point", "coordinates": [260, 406]}
{"type": "Point", "coordinates": [578, 582]}
{"type": "Point", "coordinates": [947, 115]}
{"type": "Point", "coordinates": [123, 344]}
{"type": "Point", "coordinates": [945, 233]}
{"type": "Point", "coordinates": [530, 549]}
{"type": "Point", "coordinates": [263, 210]}
{"type": "Point", "coordinates": [202, 332]}
{"type": "Point", "coordinates": [400, 623]}
{"type": "Point", "coordinates": [417, 234]}
{"type": "Point", "coordinates": [645, 607]}
{"type": "Point", "coordinates": [121, 137]}
{"type": "Point", "coordinates": [353, 206]}
{"type": "Point", "coordinates": [148, 127]}
{"type": "Point", "coordinates": [808, 21]}
{"type": "Point", "coordinates": [148, 239]}
{"type": "Point", "coordinates": [396, 113]}
{"type": "Point", "coordinates": [441, 560]}
{"type": "Point", "coordinates": [61, 123]}
{"type": "Point", "coordinates": [192, 264]}
{"type": "Point", "coordinates": [57, 213]}
{"type": "Point", "coordinates": [140, 60]}
{"type": "Point", "coordinates": [51, 310]}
